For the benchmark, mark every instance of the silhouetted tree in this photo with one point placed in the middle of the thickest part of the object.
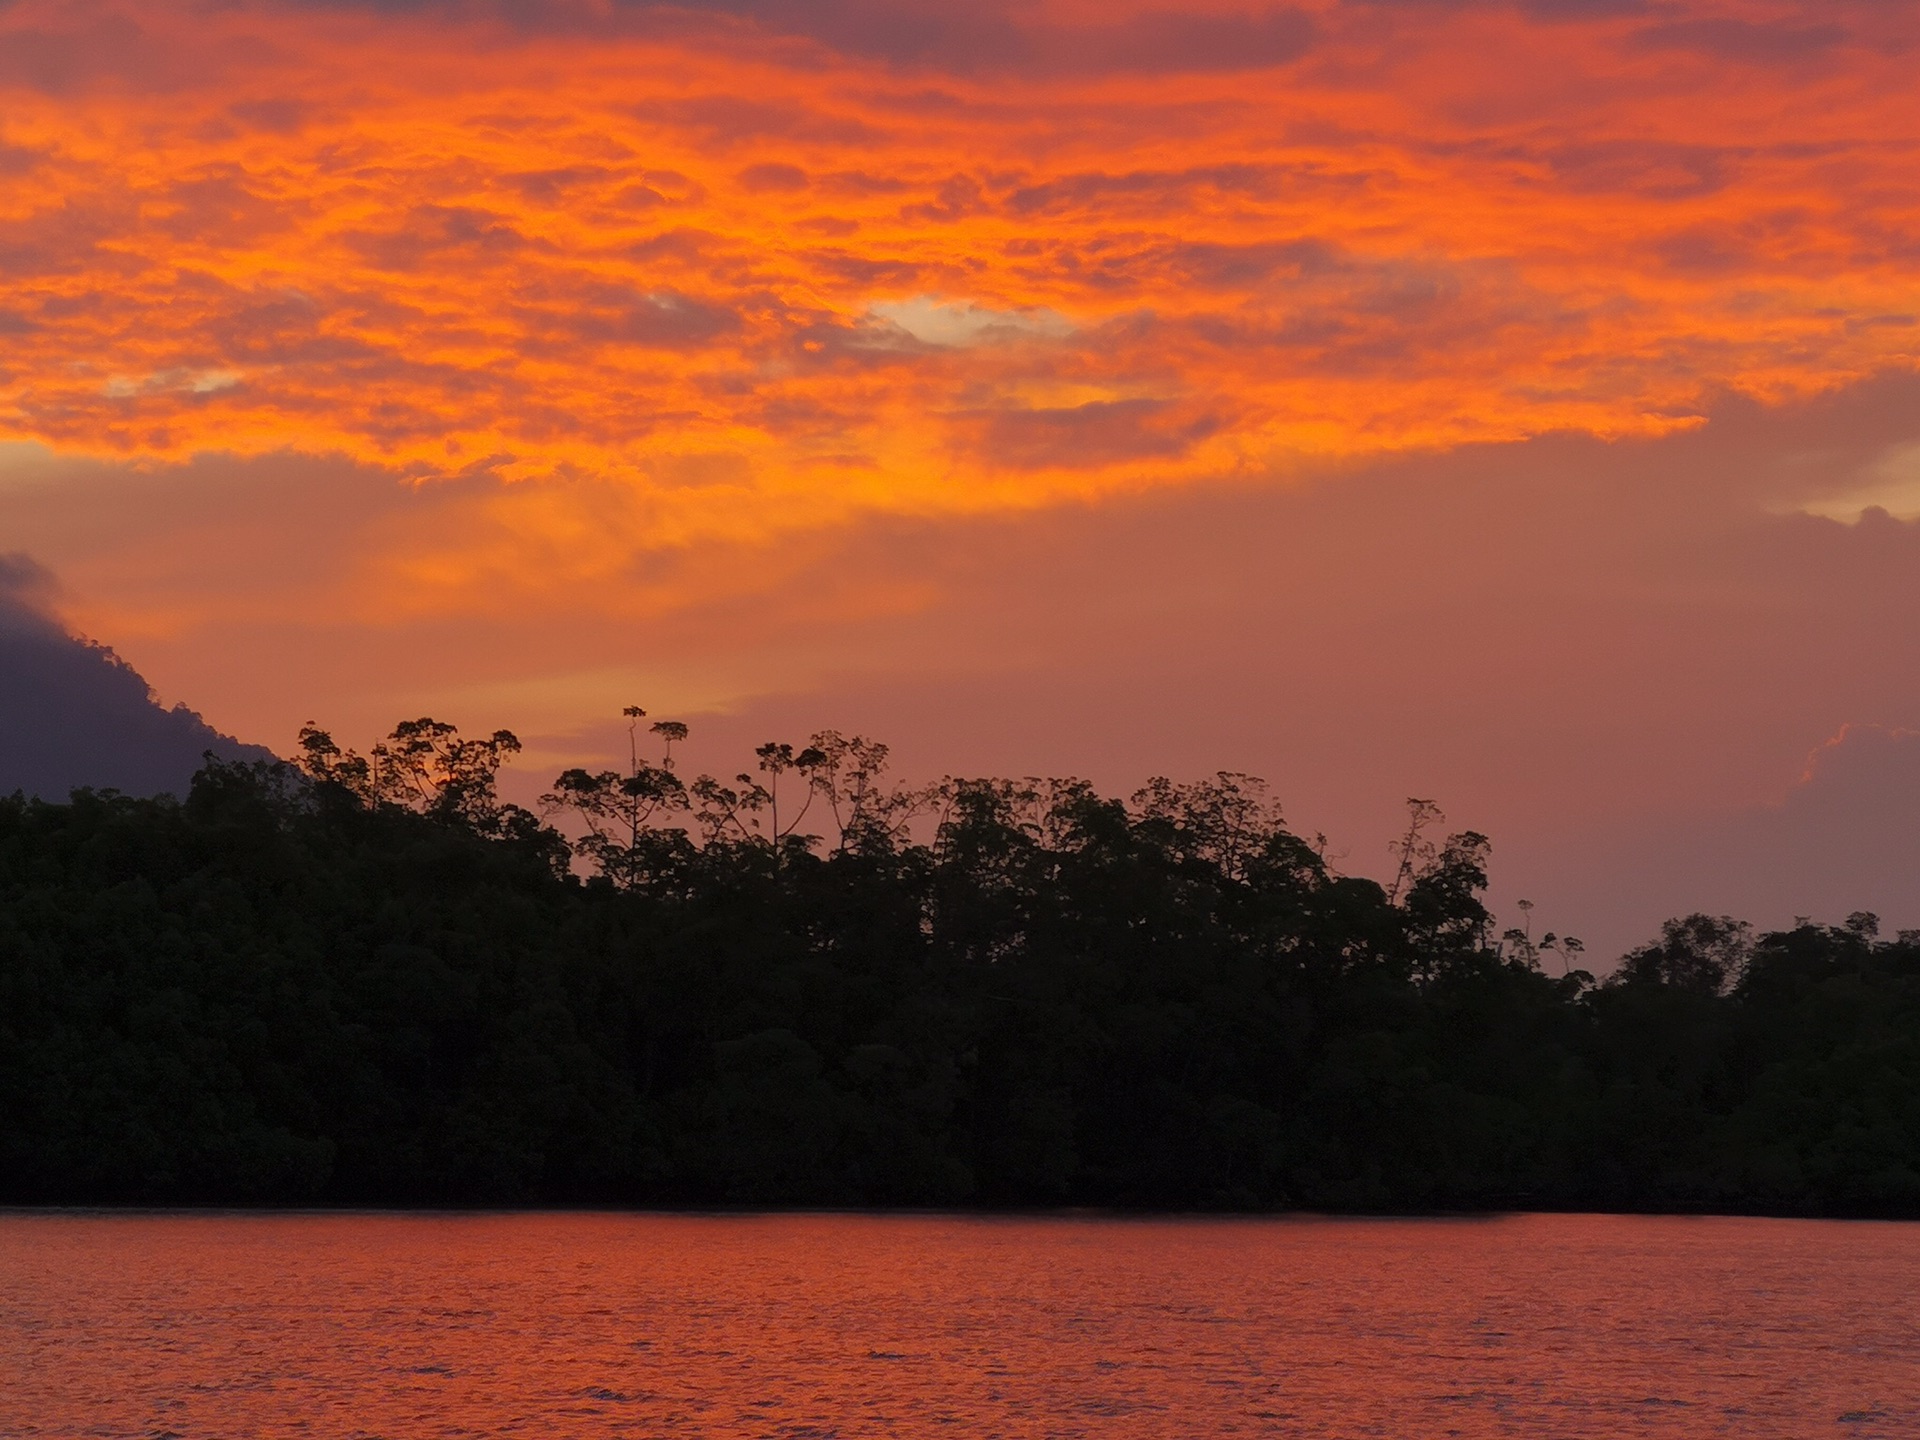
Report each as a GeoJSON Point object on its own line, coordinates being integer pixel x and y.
{"type": "Point", "coordinates": [629, 838]}
{"type": "Point", "coordinates": [1704, 953]}
{"type": "Point", "coordinates": [365, 979]}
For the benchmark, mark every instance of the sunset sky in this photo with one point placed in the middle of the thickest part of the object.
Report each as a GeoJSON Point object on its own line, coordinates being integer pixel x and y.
{"type": "Point", "coordinates": [1516, 405]}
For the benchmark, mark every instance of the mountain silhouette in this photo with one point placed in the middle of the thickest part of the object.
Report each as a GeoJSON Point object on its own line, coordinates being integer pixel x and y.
{"type": "Point", "coordinates": [73, 714]}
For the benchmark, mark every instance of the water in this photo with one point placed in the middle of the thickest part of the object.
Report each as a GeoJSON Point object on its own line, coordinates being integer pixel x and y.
{"type": "Point", "coordinates": [847, 1326]}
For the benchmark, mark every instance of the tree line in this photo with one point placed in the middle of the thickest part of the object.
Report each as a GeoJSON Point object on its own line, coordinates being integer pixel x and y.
{"type": "Point", "coordinates": [359, 979]}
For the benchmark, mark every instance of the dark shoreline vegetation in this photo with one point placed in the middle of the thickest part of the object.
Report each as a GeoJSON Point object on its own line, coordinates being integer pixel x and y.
{"type": "Point", "coordinates": [368, 981]}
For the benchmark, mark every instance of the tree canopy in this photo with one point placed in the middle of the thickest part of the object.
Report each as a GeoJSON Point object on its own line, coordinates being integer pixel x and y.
{"type": "Point", "coordinates": [368, 979]}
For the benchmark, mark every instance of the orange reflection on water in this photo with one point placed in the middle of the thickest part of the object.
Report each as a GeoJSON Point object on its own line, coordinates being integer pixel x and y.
{"type": "Point", "coordinates": [599, 1325]}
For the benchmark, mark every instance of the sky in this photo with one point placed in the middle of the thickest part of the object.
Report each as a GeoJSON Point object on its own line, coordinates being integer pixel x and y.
{"type": "Point", "coordinates": [1510, 404]}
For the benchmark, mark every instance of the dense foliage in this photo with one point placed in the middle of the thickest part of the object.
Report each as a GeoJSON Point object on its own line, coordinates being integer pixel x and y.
{"type": "Point", "coordinates": [365, 979]}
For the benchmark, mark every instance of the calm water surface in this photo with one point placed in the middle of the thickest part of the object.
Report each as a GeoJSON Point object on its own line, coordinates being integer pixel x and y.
{"type": "Point", "coordinates": [823, 1326]}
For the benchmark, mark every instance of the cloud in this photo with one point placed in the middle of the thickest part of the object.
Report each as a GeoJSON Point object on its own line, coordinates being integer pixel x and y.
{"type": "Point", "coordinates": [838, 245]}
{"type": "Point", "coordinates": [994, 36]}
{"type": "Point", "coordinates": [1888, 484]}
{"type": "Point", "coordinates": [1660, 170]}
{"type": "Point", "coordinates": [1179, 41]}
{"type": "Point", "coordinates": [440, 235]}
{"type": "Point", "coordinates": [772, 178]}
{"type": "Point", "coordinates": [1151, 191]}
{"type": "Point", "coordinates": [1092, 435]}
{"type": "Point", "coordinates": [934, 321]}
{"type": "Point", "coordinates": [277, 115]}
{"type": "Point", "coordinates": [1584, 9]}
{"type": "Point", "coordinates": [730, 120]}
{"type": "Point", "coordinates": [671, 321]}
{"type": "Point", "coordinates": [58, 61]}
{"type": "Point", "coordinates": [18, 159]}
{"type": "Point", "coordinates": [1728, 37]}
{"type": "Point", "coordinates": [191, 382]}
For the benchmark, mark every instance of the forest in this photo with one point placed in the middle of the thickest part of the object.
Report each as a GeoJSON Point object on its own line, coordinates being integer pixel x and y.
{"type": "Point", "coordinates": [368, 980]}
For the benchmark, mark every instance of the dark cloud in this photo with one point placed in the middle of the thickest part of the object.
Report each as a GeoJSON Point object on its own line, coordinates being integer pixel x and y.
{"type": "Point", "coordinates": [220, 201]}
{"type": "Point", "coordinates": [916, 32]}
{"type": "Point", "coordinates": [954, 199]}
{"type": "Point", "coordinates": [74, 714]}
{"type": "Point", "coordinates": [18, 159]}
{"type": "Point", "coordinates": [1156, 189]}
{"type": "Point", "coordinates": [280, 115]}
{"type": "Point", "coordinates": [1724, 37]}
{"type": "Point", "coordinates": [281, 328]}
{"type": "Point", "coordinates": [57, 62]}
{"type": "Point", "coordinates": [554, 187]}
{"type": "Point", "coordinates": [997, 38]}
{"type": "Point", "coordinates": [65, 50]}
{"type": "Point", "coordinates": [866, 270]}
{"type": "Point", "coordinates": [1215, 266]}
{"type": "Point", "coordinates": [430, 233]}
{"type": "Point", "coordinates": [558, 317]}
{"type": "Point", "coordinates": [731, 120]}
{"type": "Point", "coordinates": [1077, 437]}
{"type": "Point", "coordinates": [1660, 170]}
{"type": "Point", "coordinates": [669, 320]}
{"type": "Point", "coordinates": [62, 239]}
{"type": "Point", "coordinates": [772, 179]}
{"type": "Point", "coordinates": [1549, 10]}
{"type": "Point", "coordinates": [683, 244]}
{"type": "Point", "coordinates": [991, 36]}
{"type": "Point", "coordinates": [1174, 40]}
{"type": "Point", "coordinates": [1584, 9]}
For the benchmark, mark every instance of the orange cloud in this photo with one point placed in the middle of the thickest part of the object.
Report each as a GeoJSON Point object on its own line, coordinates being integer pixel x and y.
{"type": "Point", "coordinates": [766, 266]}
